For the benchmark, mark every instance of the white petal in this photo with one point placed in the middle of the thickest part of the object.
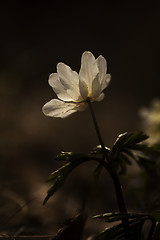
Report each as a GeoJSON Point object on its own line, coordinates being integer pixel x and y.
{"type": "Point", "coordinates": [70, 80]}
{"type": "Point", "coordinates": [103, 77]}
{"type": "Point", "coordinates": [105, 81]}
{"type": "Point", "coordinates": [102, 66]}
{"type": "Point", "coordinates": [88, 70]}
{"type": "Point", "coordinates": [96, 87]}
{"type": "Point", "coordinates": [58, 88]}
{"type": "Point", "coordinates": [57, 108]}
{"type": "Point", "coordinates": [99, 98]}
{"type": "Point", "coordinates": [83, 88]}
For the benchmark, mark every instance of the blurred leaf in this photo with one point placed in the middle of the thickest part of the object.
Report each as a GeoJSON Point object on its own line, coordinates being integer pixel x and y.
{"type": "Point", "coordinates": [73, 229]}
{"type": "Point", "coordinates": [156, 235]}
{"type": "Point", "coordinates": [134, 227]}
{"type": "Point", "coordinates": [112, 217]}
{"type": "Point", "coordinates": [58, 183]}
{"type": "Point", "coordinates": [59, 176]}
{"type": "Point", "coordinates": [117, 232]}
{"type": "Point", "coordinates": [130, 146]}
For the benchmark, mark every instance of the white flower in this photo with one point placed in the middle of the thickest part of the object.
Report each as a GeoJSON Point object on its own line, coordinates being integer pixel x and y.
{"type": "Point", "coordinates": [73, 89]}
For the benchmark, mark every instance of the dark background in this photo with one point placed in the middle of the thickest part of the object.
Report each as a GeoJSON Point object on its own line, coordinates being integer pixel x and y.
{"type": "Point", "coordinates": [35, 36]}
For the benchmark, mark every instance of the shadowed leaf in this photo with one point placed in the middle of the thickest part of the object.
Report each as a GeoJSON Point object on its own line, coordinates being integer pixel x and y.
{"type": "Point", "coordinates": [112, 217]}
{"type": "Point", "coordinates": [59, 176]}
{"type": "Point", "coordinates": [131, 146]}
{"type": "Point", "coordinates": [117, 232]}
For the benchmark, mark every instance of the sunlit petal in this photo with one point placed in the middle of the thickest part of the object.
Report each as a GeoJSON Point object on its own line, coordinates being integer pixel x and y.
{"type": "Point", "coordinates": [100, 97]}
{"type": "Point", "coordinates": [83, 88]}
{"type": "Point", "coordinates": [57, 108]}
{"type": "Point", "coordinates": [88, 70]}
{"type": "Point", "coordinates": [96, 87]}
{"type": "Point", "coordinates": [59, 88]}
{"type": "Point", "coordinates": [105, 81]}
{"type": "Point", "coordinates": [70, 80]}
{"type": "Point", "coordinates": [102, 66]}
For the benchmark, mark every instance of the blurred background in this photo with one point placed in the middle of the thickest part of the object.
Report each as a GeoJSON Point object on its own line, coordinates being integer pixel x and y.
{"type": "Point", "coordinates": [35, 36]}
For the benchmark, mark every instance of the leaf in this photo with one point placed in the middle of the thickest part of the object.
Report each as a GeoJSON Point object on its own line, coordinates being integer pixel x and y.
{"type": "Point", "coordinates": [59, 176]}
{"type": "Point", "coordinates": [135, 223]}
{"type": "Point", "coordinates": [70, 156]}
{"type": "Point", "coordinates": [112, 217]}
{"type": "Point", "coordinates": [156, 235]}
{"type": "Point", "coordinates": [129, 139]}
{"type": "Point", "coordinates": [130, 146]}
{"type": "Point", "coordinates": [117, 232]}
{"type": "Point", "coordinates": [73, 229]}
{"type": "Point", "coordinates": [58, 183]}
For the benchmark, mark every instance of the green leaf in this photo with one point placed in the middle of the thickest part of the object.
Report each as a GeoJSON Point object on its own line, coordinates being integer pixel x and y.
{"type": "Point", "coordinates": [70, 156]}
{"type": "Point", "coordinates": [129, 139]}
{"type": "Point", "coordinates": [117, 232]}
{"type": "Point", "coordinates": [59, 176]}
{"type": "Point", "coordinates": [130, 146]}
{"type": "Point", "coordinates": [58, 183]}
{"type": "Point", "coordinates": [134, 226]}
{"type": "Point", "coordinates": [112, 217]}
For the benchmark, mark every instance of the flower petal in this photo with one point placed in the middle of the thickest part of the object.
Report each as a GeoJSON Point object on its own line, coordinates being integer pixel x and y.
{"type": "Point", "coordinates": [105, 81]}
{"type": "Point", "coordinates": [103, 77]}
{"type": "Point", "coordinates": [102, 66]}
{"type": "Point", "coordinates": [88, 70]}
{"type": "Point", "coordinates": [83, 88]}
{"type": "Point", "coordinates": [70, 80]}
{"type": "Point", "coordinates": [57, 108]}
{"type": "Point", "coordinates": [99, 98]}
{"type": "Point", "coordinates": [96, 87]}
{"type": "Point", "coordinates": [58, 88]}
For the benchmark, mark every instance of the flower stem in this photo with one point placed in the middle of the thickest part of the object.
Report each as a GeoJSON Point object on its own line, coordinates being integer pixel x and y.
{"type": "Point", "coordinates": [115, 178]}
{"type": "Point", "coordinates": [107, 165]}
{"type": "Point", "coordinates": [119, 194]}
{"type": "Point", "coordinates": [96, 125]}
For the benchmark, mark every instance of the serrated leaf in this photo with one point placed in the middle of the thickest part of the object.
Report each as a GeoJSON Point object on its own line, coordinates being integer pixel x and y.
{"type": "Point", "coordinates": [129, 140]}
{"type": "Point", "coordinates": [130, 146]}
{"type": "Point", "coordinates": [59, 176]}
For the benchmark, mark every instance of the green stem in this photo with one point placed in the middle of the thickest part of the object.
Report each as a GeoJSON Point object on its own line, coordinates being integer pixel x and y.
{"type": "Point", "coordinates": [119, 194]}
{"type": "Point", "coordinates": [118, 188]}
{"type": "Point", "coordinates": [107, 165]}
{"type": "Point", "coordinates": [96, 125]}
